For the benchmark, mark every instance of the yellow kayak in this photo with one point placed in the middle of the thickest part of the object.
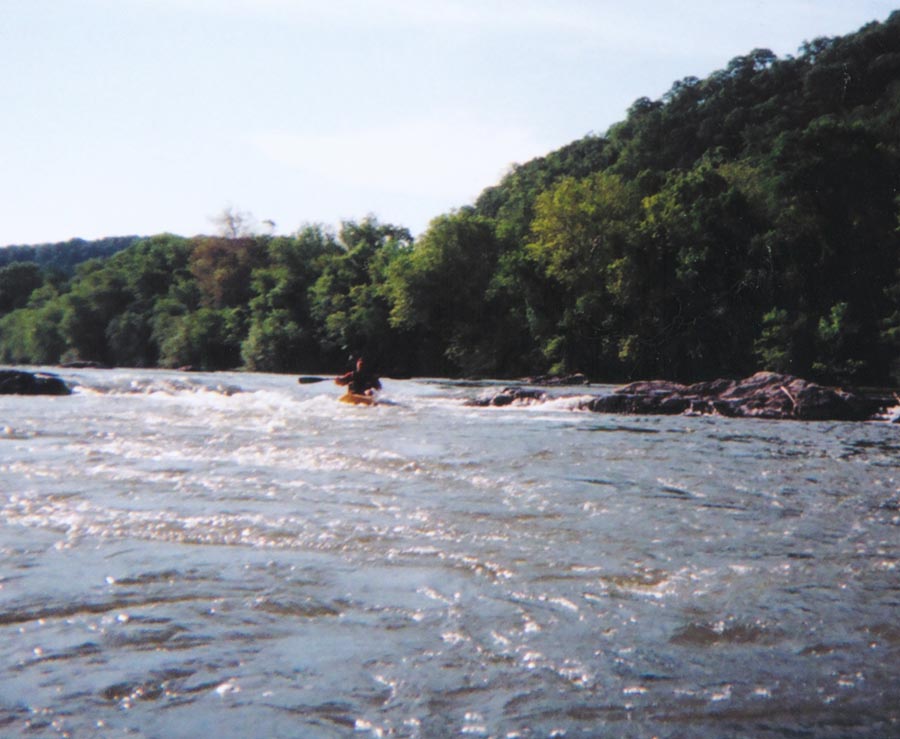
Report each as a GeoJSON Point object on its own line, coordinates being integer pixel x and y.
{"type": "Point", "coordinates": [357, 399]}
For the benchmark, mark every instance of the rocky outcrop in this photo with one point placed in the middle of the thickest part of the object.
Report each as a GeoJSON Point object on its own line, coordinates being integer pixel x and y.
{"type": "Point", "coordinates": [764, 395]}
{"type": "Point", "coordinates": [509, 395]}
{"type": "Point", "coordinates": [16, 382]}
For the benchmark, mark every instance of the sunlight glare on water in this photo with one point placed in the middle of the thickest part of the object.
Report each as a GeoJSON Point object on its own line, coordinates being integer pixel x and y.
{"type": "Point", "coordinates": [240, 554]}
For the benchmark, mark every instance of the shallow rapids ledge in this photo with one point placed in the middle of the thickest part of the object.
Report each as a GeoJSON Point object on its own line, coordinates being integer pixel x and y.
{"type": "Point", "coordinates": [766, 395]}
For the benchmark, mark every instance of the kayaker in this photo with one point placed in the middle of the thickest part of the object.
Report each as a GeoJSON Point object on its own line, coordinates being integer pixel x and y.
{"type": "Point", "coordinates": [360, 381]}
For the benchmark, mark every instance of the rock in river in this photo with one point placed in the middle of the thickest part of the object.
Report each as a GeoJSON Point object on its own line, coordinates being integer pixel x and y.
{"type": "Point", "coordinates": [17, 382]}
{"type": "Point", "coordinates": [764, 395]}
{"type": "Point", "coordinates": [509, 395]}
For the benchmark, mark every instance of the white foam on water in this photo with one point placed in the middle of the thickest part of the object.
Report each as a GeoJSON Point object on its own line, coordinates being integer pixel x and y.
{"type": "Point", "coordinates": [499, 571]}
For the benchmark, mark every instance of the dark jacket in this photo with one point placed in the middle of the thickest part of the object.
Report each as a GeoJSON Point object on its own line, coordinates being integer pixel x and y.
{"type": "Point", "coordinates": [359, 381]}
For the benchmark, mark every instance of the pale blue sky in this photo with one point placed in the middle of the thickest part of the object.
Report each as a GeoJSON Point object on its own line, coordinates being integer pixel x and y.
{"type": "Point", "coordinates": [144, 116]}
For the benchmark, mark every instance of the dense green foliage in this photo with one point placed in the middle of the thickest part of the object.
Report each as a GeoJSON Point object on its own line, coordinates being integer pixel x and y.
{"type": "Point", "coordinates": [749, 220]}
{"type": "Point", "coordinates": [64, 256]}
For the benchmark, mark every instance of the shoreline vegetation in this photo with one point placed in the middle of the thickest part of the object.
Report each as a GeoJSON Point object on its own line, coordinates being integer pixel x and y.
{"type": "Point", "coordinates": [746, 222]}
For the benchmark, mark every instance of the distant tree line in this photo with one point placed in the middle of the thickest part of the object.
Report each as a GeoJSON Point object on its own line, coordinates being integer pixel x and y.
{"type": "Point", "coordinates": [64, 256]}
{"type": "Point", "coordinates": [745, 221]}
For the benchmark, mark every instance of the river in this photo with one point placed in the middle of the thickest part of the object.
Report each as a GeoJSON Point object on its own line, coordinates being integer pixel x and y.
{"type": "Point", "coordinates": [239, 555]}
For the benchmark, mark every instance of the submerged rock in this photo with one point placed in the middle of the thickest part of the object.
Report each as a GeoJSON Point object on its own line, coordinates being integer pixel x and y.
{"type": "Point", "coordinates": [17, 382]}
{"type": "Point", "coordinates": [764, 395]}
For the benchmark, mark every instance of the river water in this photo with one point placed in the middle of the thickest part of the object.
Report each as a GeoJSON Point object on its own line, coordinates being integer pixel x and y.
{"type": "Point", "coordinates": [238, 555]}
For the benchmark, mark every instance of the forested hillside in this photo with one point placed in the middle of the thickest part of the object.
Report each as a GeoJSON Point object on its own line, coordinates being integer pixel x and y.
{"type": "Point", "coordinates": [745, 221]}
{"type": "Point", "coordinates": [64, 256]}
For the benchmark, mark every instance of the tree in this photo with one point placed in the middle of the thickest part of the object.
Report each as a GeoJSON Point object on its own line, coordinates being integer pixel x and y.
{"type": "Point", "coordinates": [349, 301]}
{"type": "Point", "coordinates": [282, 333]}
{"type": "Point", "coordinates": [700, 289]}
{"type": "Point", "coordinates": [208, 339]}
{"type": "Point", "coordinates": [17, 281]}
{"type": "Point", "coordinates": [235, 224]}
{"type": "Point", "coordinates": [31, 335]}
{"type": "Point", "coordinates": [97, 296]}
{"type": "Point", "coordinates": [835, 243]}
{"type": "Point", "coordinates": [581, 240]}
{"type": "Point", "coordinates": [440, 291]}
{"type": "Point", "coordinates": [223, 269]}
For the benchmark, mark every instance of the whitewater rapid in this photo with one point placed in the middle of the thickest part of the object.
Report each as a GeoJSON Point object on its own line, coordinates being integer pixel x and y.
{"type": "Point", "coordinates": [240, 555]}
